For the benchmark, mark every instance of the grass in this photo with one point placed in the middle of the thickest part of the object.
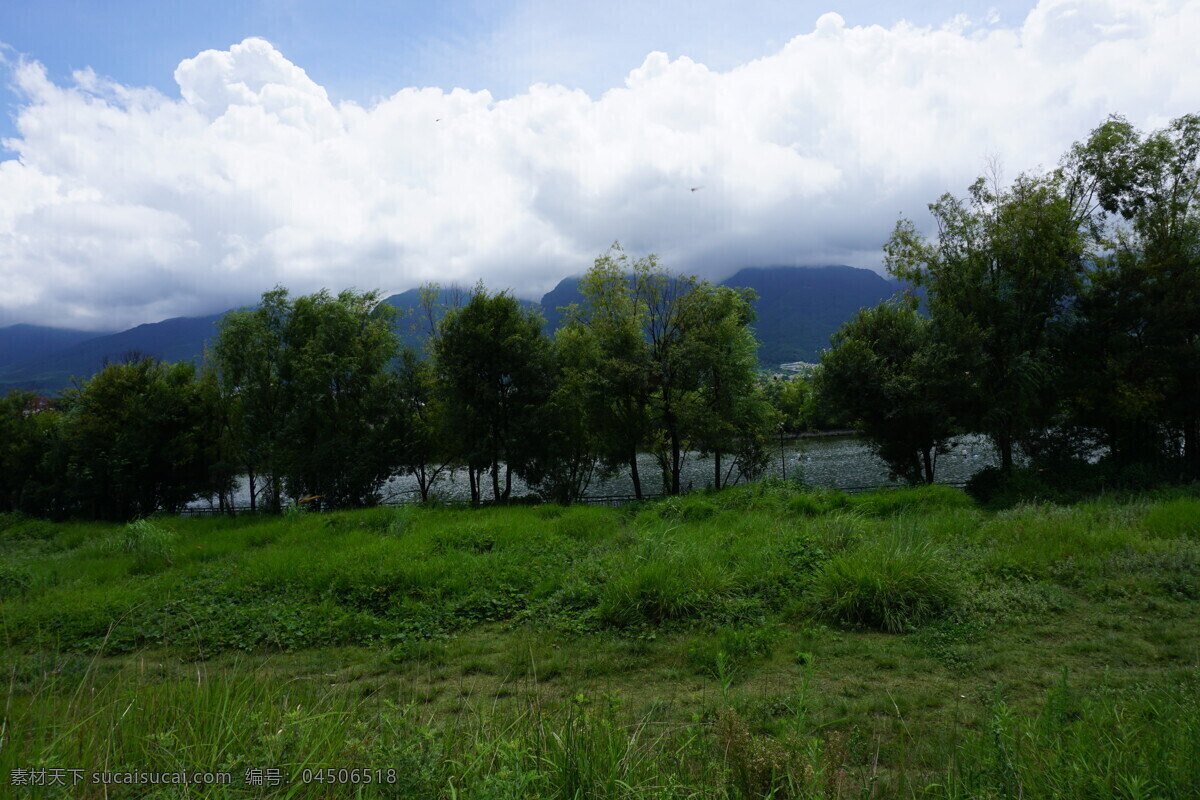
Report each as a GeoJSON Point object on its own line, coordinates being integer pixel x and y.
{"type": "Point", "coordinates": [760, 642]}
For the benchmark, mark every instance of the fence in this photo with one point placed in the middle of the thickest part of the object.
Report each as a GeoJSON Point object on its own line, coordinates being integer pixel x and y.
{"type": "Point", "coordinates": [611, 500]}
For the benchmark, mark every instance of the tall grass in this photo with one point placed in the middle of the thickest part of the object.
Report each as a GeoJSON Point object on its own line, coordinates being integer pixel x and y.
{"type": "Point", "coordinates": [649, 652]}
{"type": "Point", "coordinates": [1143, 742]}
{"type": "Point", "coordinates": [895, 584]}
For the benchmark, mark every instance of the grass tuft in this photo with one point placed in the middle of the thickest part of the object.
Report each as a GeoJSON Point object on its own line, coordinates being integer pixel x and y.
{"type": "Point", "coordinates": [893, 584]}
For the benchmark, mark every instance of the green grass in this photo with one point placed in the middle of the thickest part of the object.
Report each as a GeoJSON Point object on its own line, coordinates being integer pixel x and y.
{"type": "Point", "coordinates": [764, 641]}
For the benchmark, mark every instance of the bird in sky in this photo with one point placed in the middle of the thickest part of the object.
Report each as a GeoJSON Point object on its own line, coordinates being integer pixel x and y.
{"type": "Point", "coordinates": [697, 188]}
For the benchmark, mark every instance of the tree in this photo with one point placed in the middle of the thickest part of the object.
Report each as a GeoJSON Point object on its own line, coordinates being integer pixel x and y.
{"type": "Point", "coordinates": [603, 344]}
{"type": "Point", "coordinates": [339, 424]}
{"type": "Point", "coordinates": [564, 457]}
{"type": "Point", "coordinates": [730, 414]}
{"type": "Point", "coordinates": [248, 355]}
{"type": "Point", "coordinates": [889, 372]}
{"type": "Point", "coordinates": [667, 362]}
{"type": "Point", "coordinates": [424, 449]}
{"type": "Point", "coordinates": [312, 396]}
{"type": "Point", "coordinates": [1000, 277]}
{"type": "Point", "coordinates": [1143, 299]}
{"type": "Point", "coordinates": [493, 362]}
{"type": "Point", "coordinates": [137, 440]}
{"type": "Point", "coordinates": [27, 423]}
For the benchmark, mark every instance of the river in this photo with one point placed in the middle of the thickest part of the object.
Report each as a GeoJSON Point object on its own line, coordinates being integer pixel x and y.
{"type": "Point", "coordinates": [843, 462]}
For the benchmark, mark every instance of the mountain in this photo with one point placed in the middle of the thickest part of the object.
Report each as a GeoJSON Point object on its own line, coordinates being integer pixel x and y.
{"type": "Point", "coordinates": [30, 342]}
{"type": "Point", "coordinates": [561, 296]}
{"type": "Point", "coordinates": [798, 309]}
{"type": "Point", "coordinates": [178, 339]}
{"type": "Point", "coordinates": [412, 326]}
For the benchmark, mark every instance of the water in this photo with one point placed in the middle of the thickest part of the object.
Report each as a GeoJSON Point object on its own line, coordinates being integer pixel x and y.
{"type": "Point", "coordinates": [842, 462]}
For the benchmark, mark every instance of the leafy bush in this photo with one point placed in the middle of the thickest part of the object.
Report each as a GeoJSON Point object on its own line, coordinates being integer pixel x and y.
{"type": "Point", "coordinates": [893, 584]}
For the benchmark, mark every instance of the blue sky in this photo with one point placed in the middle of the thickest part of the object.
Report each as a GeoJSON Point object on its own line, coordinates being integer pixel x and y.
{"type": "Point", "coordinates": [364, 49]}
{"type": "Point", "coordinates": [167, 158]}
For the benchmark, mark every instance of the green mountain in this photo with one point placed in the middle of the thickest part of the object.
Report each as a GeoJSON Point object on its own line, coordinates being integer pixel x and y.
{"type": "Point", "coordinates": [412, 325]}
{"type": "Point", "coordinates": [178, 339]}
{"type": "Point", "coordinates": [798, 309]}
{"type": "Point", "coordinates": [30, 342]}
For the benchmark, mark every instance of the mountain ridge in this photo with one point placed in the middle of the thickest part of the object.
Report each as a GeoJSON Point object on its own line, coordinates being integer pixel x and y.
{"type": "Point", "coordinates": [798, 309]}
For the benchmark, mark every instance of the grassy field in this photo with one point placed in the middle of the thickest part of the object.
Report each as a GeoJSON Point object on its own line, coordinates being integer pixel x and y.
{"type": "Point", "coordinates": [763, 642]}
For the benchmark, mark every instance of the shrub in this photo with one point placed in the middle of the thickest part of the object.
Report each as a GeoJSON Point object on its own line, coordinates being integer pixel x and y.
{"type": "Point", "coordinates": [150, 545]}
{"type": "Point", "coordinates": [15, 580]}
{"type": "Point", "coordinates": [686, 509]}
{"type": "Point", "coordinates": [894, 584]}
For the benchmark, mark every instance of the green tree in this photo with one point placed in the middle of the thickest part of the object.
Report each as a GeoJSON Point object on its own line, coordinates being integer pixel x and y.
{"type": "Point", "coordinates": [667, 362]}
{"type": "Point", "coordinates": [339, 425]}
{"type": "Point", "coordinates": [603, 345]}
{"type": "Point", "coordinates": [730, 415]}
{"type": "Point", "coordinates": [1140, 312]}
{"type": "Point", "coordinates": [1000, 277]}
{"type": "Point", "coordinates": [494, 365]}
{"type": "Point", "coordinates": [137, 438]}
{"type": "Point", "coordinates": [312, 398]}
{"type": "Point", "coordinates": [27, 425]}
{"type": "Point", "coordinates": [564, 455]}
{"type": "Point", "coordinates": [424, 445]}
{"type": "Point", "coordinates": [248, 356]}
{"type": "Point", "coordinates": [889, 372]}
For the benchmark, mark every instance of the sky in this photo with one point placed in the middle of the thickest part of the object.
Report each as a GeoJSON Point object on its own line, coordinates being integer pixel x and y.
{"type": "Point", "coordinates": [162, 159]}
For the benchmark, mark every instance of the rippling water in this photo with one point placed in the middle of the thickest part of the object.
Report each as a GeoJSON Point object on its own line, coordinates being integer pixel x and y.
{"type": "Point", "coordinates": [843, 462]}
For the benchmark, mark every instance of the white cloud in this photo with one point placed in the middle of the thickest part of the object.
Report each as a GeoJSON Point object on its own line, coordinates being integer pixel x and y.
{"type": "Point", "coordinates": [125, 205]}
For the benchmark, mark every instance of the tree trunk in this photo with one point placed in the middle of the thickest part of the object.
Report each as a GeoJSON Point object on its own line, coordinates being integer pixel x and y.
{"type": "Point", "coordinates": [926, 455]}
{"type": "Point", "coordinates": [507, 481]}
{"type": "Point", "coordinates": [496, 480]}
{"type": "Point", "coordinates": [634, 476]}
{"type": "Point", "coordinates": [473, 478]}
{"type": "Point", "coordinates": [423, 483]}
{"type": "Point", "coordinates": [675, 461]}
{"type": "Point", "coordinates": [1005, 444]}
{"type": "Point", "coordinates": [716, 469]}
{"type": "Point", "coordinates": [1191, 446]}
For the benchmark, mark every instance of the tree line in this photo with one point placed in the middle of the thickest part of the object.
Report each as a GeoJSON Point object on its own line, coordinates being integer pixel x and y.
{"type": "Point", "coordinates": [310, 400]}
{"type": "Point", "coordinates": [1062, 319]}
{"type": "Point", "coordinates": [1058, 315]}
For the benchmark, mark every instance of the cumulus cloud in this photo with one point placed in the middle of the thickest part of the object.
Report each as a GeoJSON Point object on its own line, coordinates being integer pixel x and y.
{"type": "Point", "coordinates": [124, 205]}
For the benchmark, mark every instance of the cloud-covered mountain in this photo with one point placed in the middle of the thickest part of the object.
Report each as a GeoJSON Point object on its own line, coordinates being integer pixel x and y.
{"type": "Point", "coordinates": [125, 204]}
